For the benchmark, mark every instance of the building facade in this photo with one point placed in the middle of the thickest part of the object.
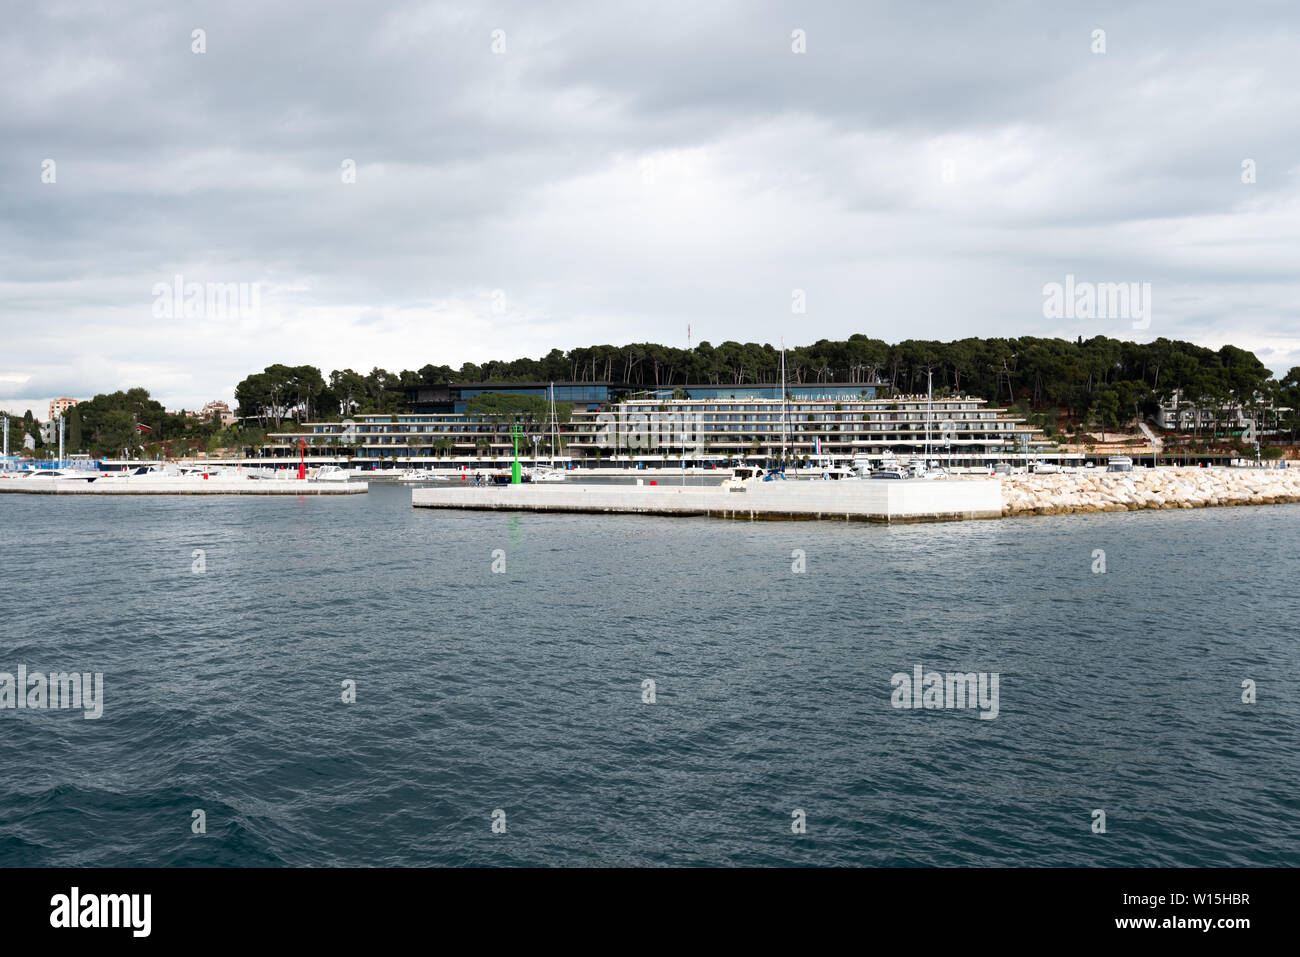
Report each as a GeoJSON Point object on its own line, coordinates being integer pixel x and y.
{"type": "Point", "coordinates": [59, 407]}
{"type": "Point", "coordinates": [1228, 419]}
{"type": "Point", "coordinates": [607, 423]}
{"type": "Point", "coordinates": [453, 397]}
{"type": "Point", "coordinates": [219, 412]}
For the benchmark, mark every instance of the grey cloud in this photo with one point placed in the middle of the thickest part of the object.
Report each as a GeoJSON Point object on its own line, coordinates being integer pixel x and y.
{"type": "Point", "coordinates": [623, 170]}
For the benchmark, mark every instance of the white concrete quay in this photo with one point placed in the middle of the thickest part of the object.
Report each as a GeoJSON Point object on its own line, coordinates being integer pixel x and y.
{"type": "Point", "coordinates": [875, 500]}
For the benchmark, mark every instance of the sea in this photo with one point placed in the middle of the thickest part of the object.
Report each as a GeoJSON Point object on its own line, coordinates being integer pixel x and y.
{"type": "Point", "coordinates": [348, 681]}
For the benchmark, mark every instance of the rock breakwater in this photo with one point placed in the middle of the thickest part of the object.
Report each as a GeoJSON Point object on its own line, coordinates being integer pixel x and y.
{"type": "Point", "coordinates": [1100, 491]}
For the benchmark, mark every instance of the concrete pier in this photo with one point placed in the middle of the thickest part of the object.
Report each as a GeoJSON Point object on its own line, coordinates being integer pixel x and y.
{"type": "Point", "coordinates": [179, 486]}
{"type": "Point", "coordinates": [867, 501]}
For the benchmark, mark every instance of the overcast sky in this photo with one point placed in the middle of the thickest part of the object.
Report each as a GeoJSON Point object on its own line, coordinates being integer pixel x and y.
{"type": "Point", "coordinates": [620, 170]}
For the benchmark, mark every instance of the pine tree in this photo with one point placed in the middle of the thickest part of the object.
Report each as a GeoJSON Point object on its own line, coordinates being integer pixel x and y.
{"type": "Point", "coordinates": [74, 430]}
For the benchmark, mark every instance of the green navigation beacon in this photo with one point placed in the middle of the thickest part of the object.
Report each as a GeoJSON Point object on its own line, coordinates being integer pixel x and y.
{"type": "Point", "coordinates": [516, 474]}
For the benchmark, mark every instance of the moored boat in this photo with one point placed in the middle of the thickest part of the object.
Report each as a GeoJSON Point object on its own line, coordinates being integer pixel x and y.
{"type": "Point", "coordinates": [544, 473]}
{"type": "Point", "coordinates": [329, 473]}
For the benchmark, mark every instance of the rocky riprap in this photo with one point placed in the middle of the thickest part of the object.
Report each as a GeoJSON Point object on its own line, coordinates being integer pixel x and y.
{"type": "Point", "coordinates": [1101, 491]}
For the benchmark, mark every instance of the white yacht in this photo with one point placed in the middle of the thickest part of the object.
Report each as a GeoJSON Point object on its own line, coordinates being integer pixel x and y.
{"type": "Point", "coordinates": [414, 477]}
{"type": "Point", "coordinates": [889, 468]}
{"type": "Point", "coordinates": [835, 473]}
{"type": "Point", "coordinates": [419, 477]}
{"type": "Point", "coordinates": [742, 476]}
{"type": "Point", "coordinates": [825, 468]}
{"type": "Point", "coordinates": [544, 473]}
{"type": "Point", "coordinates": [59, 475]}
{"type": "Point", "coordinates": [889, 473]}
{"type": "Point", "coordinates": [331, 473]}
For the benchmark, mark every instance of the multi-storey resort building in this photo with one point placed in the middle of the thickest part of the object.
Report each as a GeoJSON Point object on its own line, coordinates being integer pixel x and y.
{"type": "Point", "coordinates": [609, 423]}
{"type": "Point", "coordinates": [1177, 413]}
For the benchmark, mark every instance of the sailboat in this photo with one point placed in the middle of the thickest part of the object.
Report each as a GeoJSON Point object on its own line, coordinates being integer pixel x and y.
{"type": "Point", "coordinates": [926, 467]}
{"type": "Point", "coordinates": [549, 472]}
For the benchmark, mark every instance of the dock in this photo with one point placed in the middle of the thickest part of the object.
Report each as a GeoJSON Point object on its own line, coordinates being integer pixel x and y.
{"type": "Point", "coordinates": [126, 486]}
{"type": "Point", "coordinates": [886, 501]}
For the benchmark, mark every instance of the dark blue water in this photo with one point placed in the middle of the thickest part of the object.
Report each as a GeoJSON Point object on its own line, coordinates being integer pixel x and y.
{"type": "Point", "coordinates": [522, 691]}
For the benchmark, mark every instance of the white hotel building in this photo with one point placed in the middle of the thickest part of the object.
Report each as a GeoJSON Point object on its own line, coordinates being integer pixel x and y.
{"type": "Point", "coordinates": [610, 424]}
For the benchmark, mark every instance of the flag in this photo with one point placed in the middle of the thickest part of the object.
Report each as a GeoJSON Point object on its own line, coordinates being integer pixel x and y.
{"type": "Point", "coordinates": [817, 445]}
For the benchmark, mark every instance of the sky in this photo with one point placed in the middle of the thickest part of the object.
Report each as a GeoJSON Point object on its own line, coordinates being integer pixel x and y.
{"type": "Point", "coordinates": [396, 184]}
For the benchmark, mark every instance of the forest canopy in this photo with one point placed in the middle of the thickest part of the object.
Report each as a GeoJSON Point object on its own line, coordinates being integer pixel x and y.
{"type": "Point", "coordinates": [1123, 378]}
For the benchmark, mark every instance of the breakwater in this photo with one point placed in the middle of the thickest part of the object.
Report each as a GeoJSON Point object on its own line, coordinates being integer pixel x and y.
{"type": "Point", "coordinates": [873, 501]}
{"type": "Point", "coordinates": [913, 500]}
{"type": "Point", "coordinates": [1163, 488]}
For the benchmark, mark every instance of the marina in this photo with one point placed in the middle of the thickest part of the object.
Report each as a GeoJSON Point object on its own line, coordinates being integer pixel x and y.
{"type": "Point", "coordinates": [767, 439]}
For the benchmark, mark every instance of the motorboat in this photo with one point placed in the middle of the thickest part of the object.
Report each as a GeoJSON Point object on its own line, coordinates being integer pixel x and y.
{"type": "Point", "coordinates": [836, 473]}
{"type": "Point", "coordinates": [742, 476]}
{"type": "Point", "coordinates": [824, 468]}
{"type": "Point", "coordinates": [929, 470]}
{"type": "Point", "coordinates": [545, 473]}
{"type": "Point", "coordinates": [145, 472]}
{"type": "Point", "coordinates": [330, 473]}
{"type": "Point", "coordinates": [58, 475]}
{"type": "Point", "coordinates": [416, 477]}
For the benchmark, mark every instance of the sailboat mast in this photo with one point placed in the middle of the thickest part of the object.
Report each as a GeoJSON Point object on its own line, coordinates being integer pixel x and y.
{"type": "Point", "coordinates": [783, 429]}
{"type": "Point", "coordinates": [554, 425]}
{"type": "Point", "coordinates": [929, 411]}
